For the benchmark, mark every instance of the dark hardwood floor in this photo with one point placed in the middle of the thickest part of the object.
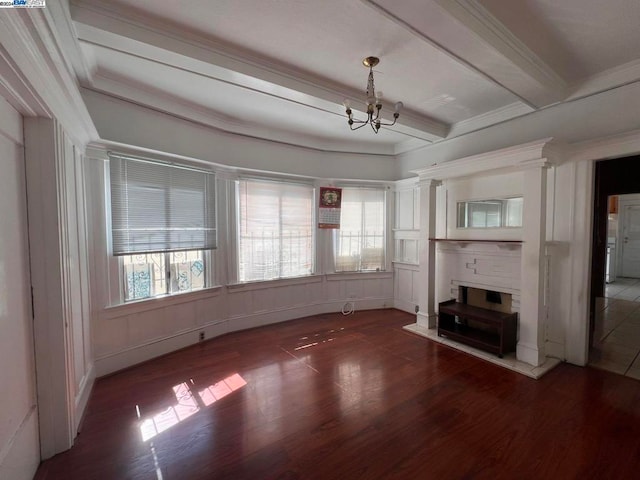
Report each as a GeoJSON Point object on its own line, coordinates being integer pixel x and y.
{"type": "Point", "coordinates": [349, 397]}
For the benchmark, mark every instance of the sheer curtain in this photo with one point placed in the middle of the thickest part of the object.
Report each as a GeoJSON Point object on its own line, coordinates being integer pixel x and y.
{"type": "Point", "coordinates": [275, 229]}
{"type": "Point", "coordinates": [359, 244]}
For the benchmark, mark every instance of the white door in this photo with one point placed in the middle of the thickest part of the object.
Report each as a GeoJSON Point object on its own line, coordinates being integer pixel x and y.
{"type": "Point", "coordinates": [631, 241]}
{"type": "Point", "coordinates": [19, 448]}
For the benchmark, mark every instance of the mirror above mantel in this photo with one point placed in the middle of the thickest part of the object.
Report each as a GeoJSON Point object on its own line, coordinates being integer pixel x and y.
{"type": "Point", "coordinates": [490, 213]}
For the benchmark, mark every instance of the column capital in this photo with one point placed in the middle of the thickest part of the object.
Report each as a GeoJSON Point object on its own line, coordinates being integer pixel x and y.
{"type": "Point", "coordinates": [429, 182]}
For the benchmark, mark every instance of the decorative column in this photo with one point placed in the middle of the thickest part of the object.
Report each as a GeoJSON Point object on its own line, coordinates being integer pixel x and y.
{"type": "Point", "coordinates": [426, 315]}
{"type": "Point", "coordinates": [530, 348]}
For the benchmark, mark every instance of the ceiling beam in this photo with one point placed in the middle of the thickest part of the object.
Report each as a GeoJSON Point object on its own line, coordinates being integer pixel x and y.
{"type": "Point", "coordinates": [481, 43]}
{"type": "Point", "coordinates": [105, 25]}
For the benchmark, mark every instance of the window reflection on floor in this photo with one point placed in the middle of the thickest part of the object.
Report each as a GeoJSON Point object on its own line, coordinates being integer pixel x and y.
{"type": "Point", "coordinates": [187, 404]}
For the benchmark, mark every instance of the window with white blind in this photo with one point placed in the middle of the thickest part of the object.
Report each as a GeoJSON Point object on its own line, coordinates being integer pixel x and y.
{"type": "Point", "coordinates": [163, 222]}
{"type": "Point", "coordinates": [275, 229]}
{"type": "Point", "coordinates": [359, 244]}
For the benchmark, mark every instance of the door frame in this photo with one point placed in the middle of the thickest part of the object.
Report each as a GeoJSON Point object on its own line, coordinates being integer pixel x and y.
{"type": "Point", "coordinates": [611, 177]}
{"type": "Point", "coordinates": [623, 202]}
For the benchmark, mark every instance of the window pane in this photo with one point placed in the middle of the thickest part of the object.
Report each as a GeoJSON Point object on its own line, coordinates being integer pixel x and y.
{"type": "Point", "coordinates": [360, 241]}
{"type": "Point", "coordinates": [144, 276]}
{"type": "Point", "coordinates": [187, 271]}
{"type": "Point", "coordinates": [275, 230]}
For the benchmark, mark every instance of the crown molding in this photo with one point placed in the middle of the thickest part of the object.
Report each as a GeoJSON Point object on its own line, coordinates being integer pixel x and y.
{"type": "Point", "coordinates": [491, 118]}
{"type": "Point", "coordinates": [46, 86]}
{"type": "Point", "coordinates": [162, 41]}
{"type": "Point", "coordinates": [165, 105]}
{"type": "Point", "coordinates": [406, 184]}
{"type": "Point", "coordinates": [67, 37]}
{"type": "Point", "coordinates": [613, 146]}
{"type": "Point", "coordinates": [536, 154]}
{"type": "Point", "coordinates": [607, 80]}
{"type": "Point", "coordinates": [15, 88]}
{"type": "Point", "coordinates": [410, 145]}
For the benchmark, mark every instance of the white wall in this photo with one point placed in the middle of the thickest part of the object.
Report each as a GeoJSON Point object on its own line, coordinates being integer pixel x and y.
{"type": "Point", "coordinates": [19, 447]}
{"type": "Point", "coordinates": [130, 124]}
{"type": "Point", "coordinates": [605, 114]}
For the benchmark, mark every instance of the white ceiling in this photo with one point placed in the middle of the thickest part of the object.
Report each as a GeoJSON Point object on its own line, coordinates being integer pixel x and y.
{"type": "Point", "coordinates": [280, 69]}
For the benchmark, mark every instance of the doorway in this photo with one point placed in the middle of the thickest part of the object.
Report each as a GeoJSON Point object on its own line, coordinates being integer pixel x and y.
{"type": "Point", "coordinates": [615, 283]}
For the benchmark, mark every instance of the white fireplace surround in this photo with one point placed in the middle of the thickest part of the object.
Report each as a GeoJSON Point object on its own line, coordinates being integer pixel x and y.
{"type": "Point", "coordinates": [518, 261]}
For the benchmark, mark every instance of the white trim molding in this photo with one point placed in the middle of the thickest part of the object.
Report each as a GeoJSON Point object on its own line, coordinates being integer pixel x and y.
{"type": "Point", "coordinates": [539, 153]}
{"type": "Point", "coordinates": [42, 82]}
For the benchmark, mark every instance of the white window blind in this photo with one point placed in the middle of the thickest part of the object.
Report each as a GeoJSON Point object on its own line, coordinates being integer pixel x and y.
{"type": "Point", "coordinates": [158, 207]}
{"type": "Point", "coordinates": [276, 230]}
{"type": "Point", "coordinates": [359, 244]}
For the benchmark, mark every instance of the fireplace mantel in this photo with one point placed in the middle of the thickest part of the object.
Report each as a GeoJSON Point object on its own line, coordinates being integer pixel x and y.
{"type": "Point", "coordinates": [516, 259]}
{"type": "Point", "coordinates": [507, 244]}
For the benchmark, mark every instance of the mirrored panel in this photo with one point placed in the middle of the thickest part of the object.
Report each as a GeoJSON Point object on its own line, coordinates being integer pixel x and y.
{"type": "Point", "coordinates": [491, 213]}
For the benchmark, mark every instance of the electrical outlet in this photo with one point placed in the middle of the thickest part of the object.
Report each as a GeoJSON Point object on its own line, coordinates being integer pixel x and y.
{"type": "Point", "coordinates": [201, 336]}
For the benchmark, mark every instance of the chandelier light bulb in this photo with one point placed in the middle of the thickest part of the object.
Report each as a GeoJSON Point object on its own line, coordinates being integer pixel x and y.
{"type": "Point", "coordinates": [346, 103]}
{"type": "Point", "coordinates": [399, 106]}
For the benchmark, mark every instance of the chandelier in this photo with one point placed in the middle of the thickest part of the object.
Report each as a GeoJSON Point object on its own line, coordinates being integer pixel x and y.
{"type": "Point", "coordinates": [374, 103]}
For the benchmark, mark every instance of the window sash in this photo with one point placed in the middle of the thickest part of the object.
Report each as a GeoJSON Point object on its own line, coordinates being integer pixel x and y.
{"type": "Point", "coordinates": [156, 274]}
{"type": "Point", "coordinates": [360, 242]}
{"type": "Point", "coordinates": [276, 234]}
{"type": "Point", "coordinates": [158, 207]}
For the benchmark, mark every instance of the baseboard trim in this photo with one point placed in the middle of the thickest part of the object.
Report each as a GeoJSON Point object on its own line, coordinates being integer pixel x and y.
{"type": "Point", "coordinates": [114, 362]}
{"type": "Point", "coordinates": [405, 306]}
{"type": "Point", "coordinates": [86, 386]}
{"type": "Point", "coordinates": [20, 457]}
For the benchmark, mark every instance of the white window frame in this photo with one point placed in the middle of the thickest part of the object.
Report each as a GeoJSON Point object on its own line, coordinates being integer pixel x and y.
{"type": "Point", "coordinates": [386, 240]}
{"type": "Point", "coordinates": [237, 221]}
{"type": "Point", "coordinates": [115, 264]}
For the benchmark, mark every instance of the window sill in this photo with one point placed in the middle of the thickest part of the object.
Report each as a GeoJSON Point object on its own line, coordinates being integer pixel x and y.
{"type": "Point", "coordinates": [143, 305]}
{"type": "Point", "coordinates": [338, 276]}
{"type": "Point", "coordinates": [277, 282]}
{"type": "Point", "coordinates": [403, 263]}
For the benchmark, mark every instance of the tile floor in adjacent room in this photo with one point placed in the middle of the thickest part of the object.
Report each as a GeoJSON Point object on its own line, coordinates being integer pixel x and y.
{"type": "Point", "coordinates": [617, 330]}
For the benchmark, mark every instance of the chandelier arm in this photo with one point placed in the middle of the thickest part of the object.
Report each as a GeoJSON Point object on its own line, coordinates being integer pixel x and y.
{"type": "Point", "coordinates": [389, 124]}
{"type": "Point", "coordinates": [362, 124]}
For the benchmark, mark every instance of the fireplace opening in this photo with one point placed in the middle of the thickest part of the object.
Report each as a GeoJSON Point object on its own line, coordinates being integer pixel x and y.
{"type": "Point", "coordinates": [480, 318]}
{"type": "Point", "coordinates": [487, 299]}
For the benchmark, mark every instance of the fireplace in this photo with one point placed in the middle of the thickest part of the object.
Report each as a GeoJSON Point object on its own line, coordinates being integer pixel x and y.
{"type": "Point", "coordinates": [501, 257]}
{"type": "Point", "coordinates": [481, 319]}
{"type": "Point", "coordinates": [487, 299]}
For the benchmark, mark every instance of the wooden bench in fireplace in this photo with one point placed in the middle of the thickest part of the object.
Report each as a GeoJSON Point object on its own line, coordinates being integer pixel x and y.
{"type": "Point", "coordinates": [488, 330]}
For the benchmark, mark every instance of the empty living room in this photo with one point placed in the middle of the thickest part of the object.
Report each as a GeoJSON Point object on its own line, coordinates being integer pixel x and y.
{"type": "Point", "coordinates": [356, 239]}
